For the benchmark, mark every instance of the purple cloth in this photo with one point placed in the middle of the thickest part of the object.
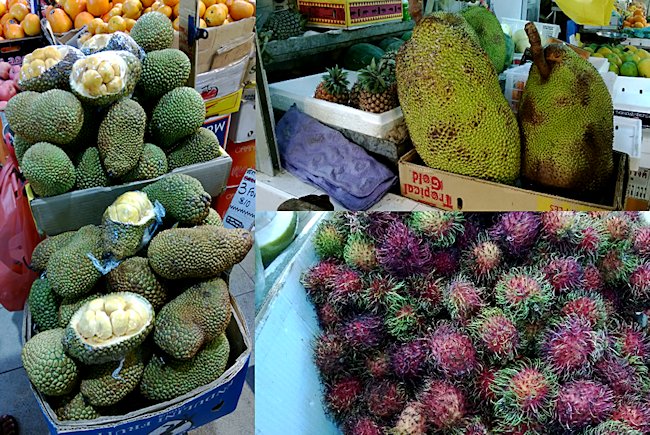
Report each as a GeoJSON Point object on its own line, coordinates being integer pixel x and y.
{"type": "Point", "coordinates": [320, 155]}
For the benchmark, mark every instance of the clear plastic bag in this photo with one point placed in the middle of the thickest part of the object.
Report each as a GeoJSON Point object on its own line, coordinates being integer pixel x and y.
{"type": "Point", "coordinates": [118, 41]}
{"type": "Point", "coordinates": [48, 68]}
{"type": "Point", "coordinates": [588, 12]}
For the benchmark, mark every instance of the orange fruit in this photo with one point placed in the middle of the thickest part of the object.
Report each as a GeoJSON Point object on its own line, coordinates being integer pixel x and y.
{"type": "Point", "coordinates": [176, 23]}
{"type": "Point", "coordinates": [98, 7]}
{"type": "Point", "coordinates": [147, 10]}
{"type": "Point", "coordinates": [19, 11]}
{"type": "Point", "coordinates": [116, 24]}
{"type": "Point", "coordinates": [74, 7]}
{"type": "Point", "coordinates": [82, 19]}
{"type": "Point", "coordinates": [13, 30]}
{"type": "Point", "coordinates": [31, 25]}
{"type": "Point", "coordinates": [3, 8]}
{"type": "Point", "coordinates": [101, 28]}
{"type": "Point", "coordinates": [165, 10]}
{"type": "Point", "coordinates": [156, 5]}
{"type": "Point", "coordinates": [92, 25]}
{"type": "Point", "coordinates": [241, 9]}
{"type": "Point", "coordinates": [5, 18]}
{"type": "Point", "coordinates": [215, 15]}
{"type": "Point", "coordinates": [202, 24]}
{"type": "Point", "coordinates": [130, 22]}
{"type": "Point", "coordinates": [176, 10]}
{"type": "Point", "coordinates": [59, 20]}
{"type": "Point", "coordinates": [209, 3]}
{"type": "Point", "coordinates": [13, 2]}
{"type": "Point", "coordinates": [201, 9]}
{"type": "Point", "coordinates": [114, 12]}
{"type": "Point", "coordinates": [171, 3]}
{"type": "Point", "coordinates": [224, 8]}
{"type": "Point", "coordinates": [132, 9]}
{"type": "Point", "coordinates": [1, 30]}
{"type": "Point", "coordinates": [146, 3]}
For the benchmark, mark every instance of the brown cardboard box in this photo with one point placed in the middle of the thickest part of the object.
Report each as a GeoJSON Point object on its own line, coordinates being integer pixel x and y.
{"type": "Point", "coordinates": [449, 191]}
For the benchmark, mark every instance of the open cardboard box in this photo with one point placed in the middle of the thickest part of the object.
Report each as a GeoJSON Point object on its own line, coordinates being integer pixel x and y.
{"type": "Point", "coordinates": [191, 410]}
{"type": "Point", "coordinates": [449, 191]}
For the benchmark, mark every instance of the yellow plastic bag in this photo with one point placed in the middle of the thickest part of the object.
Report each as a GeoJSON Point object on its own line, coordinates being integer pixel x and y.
{"type": "Point", "coordinates": [588, 12]}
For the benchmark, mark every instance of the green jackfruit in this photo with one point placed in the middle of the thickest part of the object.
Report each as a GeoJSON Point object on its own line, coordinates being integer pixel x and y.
{"type": "Point", "coordinates": [178, 114]}
{"type": "Point", "coordinates": [164, 379]}
{"type": "Point", "coordinates": [21, 145]}
{"type": "Point", "coordinates": [199, 252]}
{"type": "Point", "coordinates": [69, 306]}
{"type": "Point", "coordinates": [121, 137]}
{"type": "Point", "coordinates": [126, 222]}
{"type": "Point", "coordinates": [78, 408]}
{"type": "Point", "coordinates": [489, 32]}
{"type": "Point", "coordinates": [152, 164]}
{"type": "Point", "coordinates": [48, 169]}
{"type": "Point", "coordinates": [43, 251]}
{"type": "Point", "coordinates": [566, 118]}
{"type": "Point", "coordinates": [454, 109]}
{"type": "Point", "coordinates": [182, 196]}
{"type": "Point", "coordinates": [71, 272]}
{"type": "Point", "coordinates": [213, 218]}
{"type": "Point", "coordinates": [135, 275]}
{"type": "Point", "coordinates": [90, 172]}
{"type": "Point", "coordinates": [43, 304]}
{"type": "Point", "coordinates": [93, 118]}
{"type": "Point", "coordinates": [107, 384]}
{"type": "Point", "coordinates": [108, 328]}
{"type": "Point", "coordinates": [200, 146]}
{"type": "Point", "coordinates": [56, 117]}
{"type": "Point", "coordinates": [162, 71]}
{"type": "Point", "coordinates": [17, 112]}
{"type": "Point", "coordinates": [54, 77]}
{"type": "Point", "coordinates": [199, 315]}
{"type": "Point", "coordinates": [52, 372]}
{"type": "Point", "coordinates": [153, 31]}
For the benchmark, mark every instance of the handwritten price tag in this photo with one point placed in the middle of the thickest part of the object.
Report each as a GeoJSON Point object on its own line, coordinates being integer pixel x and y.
{"type": "Point", "coordinates": [241, 213]}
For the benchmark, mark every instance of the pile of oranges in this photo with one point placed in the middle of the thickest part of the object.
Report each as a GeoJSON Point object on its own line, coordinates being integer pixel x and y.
{"type": "Point", "coordinates": [17, 21]}
{"type": "Point", "coordinates": [636, 16]}
{"type": "Point", "coordinates": [106, 16]}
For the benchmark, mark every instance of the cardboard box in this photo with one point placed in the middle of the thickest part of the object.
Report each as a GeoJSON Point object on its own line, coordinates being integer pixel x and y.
{"type": "Point", "coordinates": [222, 81]}
{"type": "Point", "coordinates": [222, 106]}
{"type": "Point", "coordinates": [449, 191]}
{"type": "Point", "coordinates": [337, 14]}
{"type": "Point", "coordinates": [243, 121]}
{"type": "Point", "coordinates": [73, 210]}
{"type": "Point", "coordinates": [220, 126]}
{"type": "Point", "coordinates": [243, 158]}
{"type": "Point", "coordinates": [189, 411]}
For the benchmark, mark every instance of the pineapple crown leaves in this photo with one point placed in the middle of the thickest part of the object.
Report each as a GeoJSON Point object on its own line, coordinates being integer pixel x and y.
{"type": "Point", "coordinates": [375, 78]}
{"type": "Point", "coordinates": [336, 81]}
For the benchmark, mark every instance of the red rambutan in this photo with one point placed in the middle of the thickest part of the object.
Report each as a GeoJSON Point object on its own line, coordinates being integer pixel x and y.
{"type": "Point", "coordinates": [631, 340]}
{"type": "Point", "coordinates": [374, 296]}
{"type": "Point", "coordinates": [618, 226]}
{"type": "Point", "coordinates": [428, 291]}
{"type": "Point", "coordinates": [379, 222]}
{"type": "Point", "coordinates": [364, 426]}
{"type": "Point", "coordinates": [593, 279]}
{"type": "Point", "coordinates": [516, 231]}
{"type": "Point", "coordinates": [443, 404]}
{"type": "Point", "coordinates": [484, 381]}
{"type": "Point", "coordinates": [440, 227]}
{"type": "Point", "coordinates": [347, 288]}
{"type": "Point", "coordinates": [587, 305]}
{"type": "Point", "coordinates": [452, 352]}
{"type": "Point", "coordinates": [559, 226]}
{"type": "Point", "coordinates": [496, 334]}
{"type": "Point", "coordinates": [640, 282]}
{"type": "Point", "coordinates": [445, 262]}
{"type": "Point", "coordinates": [484, 260]}
{"type": "Point", "coordinates": [641, 242]}
{"type": "Point", "coordinates": [386, 398]}
{"type": "Point", "coordinates": [343, 396]}
{"type": "Point", "coordinates": [564, 273]}
{"type": "Point", "coordinates": [463, 298]}
{"type": "Point", "coordinates": [365, 331]}
{"type": "Point", "coordinates": [624, 375]}
{"type": "Point", "coordinates": [319, 280]}
{"type": "Point", "coordinates": [328, 316]}
{"type": "Point", "coordinates": [634, 413]}
{"type": "Point", "coordinates": [408, 360]}
{"type": "Point", "coordinates": [330, 354]}
{"type": "Point", "coordinates": [402, 253]}
{"type": "Point", "coordinates": [583, 403]}
{"type": "Point", "coordinates": [524, 293]}
{"type": "Point", "coordinates": [378, 365]}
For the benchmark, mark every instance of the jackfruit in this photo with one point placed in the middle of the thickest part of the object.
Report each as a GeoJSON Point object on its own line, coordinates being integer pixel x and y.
{"type": "Point", "coordinates": [135, 275]}
{"type": "Point", "coordinates": [457, 117]}
{"type": "Point", "coordinates": [71, 272]}
{"type": "Point", "coordinates": [125, 224]}
{"type": "Point", "coordinates": [213, 218]}
{"type": "Point", "coordinates": [121, 137]}
{"type": "Point", "coordinates": [93, 117]}
{"type": "Point", "coordinates": [90, 172]}
{"type": "Point", "coordinates": [200, 146]}
{"type": "Point", "coordinates": [21, 145]}
{"type": "Point", "coordinates": [17, 112]}
{"type": "Point", "coordinates": [162, 71]}
{"type": "Point", "coordinates": [48, 169]}
{"type": "Point", "coordinates": [566, 117]}
{"type": "Point", "coordinates": [199, 315]}
{"type": "Point", "coordinates": [199, 252]}
{"type": "Point", "coordinates": [78, 408]}
{"type": "Point", "coordinates": [490, 34]}
{"type": "Point", "coordinates": [69, 306]}
{"type": "Point", "coordinates": [178, 114]}
{"type": "Point", "coordinates": [52, 372]}
{"type": "Point", "coordinates": [152, 164]}
{"type": "Point", "coordinates": [56, 116]}
{"type": "Point", "coordinates": [108, 328]}
{"type": "Point", "coordinates": [43, 305]}
{"type": "Point", "coordinates": [108, 383]}
{"type": "Point", "coordinates": [182, 197]}
{"type": "Point", "coordinates": [48, 68]}
{"type": "Point", "coordinates": [165, 378]}
{"type": "Point", "coordinates": [153, 31]}
{"type": "Point", "coordinates": [43, 251]}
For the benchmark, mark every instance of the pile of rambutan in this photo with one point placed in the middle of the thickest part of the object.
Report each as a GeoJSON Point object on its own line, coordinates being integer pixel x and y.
{"type": "Point", "coordinates": [483, 323]}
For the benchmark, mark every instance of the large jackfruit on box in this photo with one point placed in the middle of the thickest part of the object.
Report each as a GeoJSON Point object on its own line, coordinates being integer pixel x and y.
{"type": "Point", "coordinates": [457, 117]}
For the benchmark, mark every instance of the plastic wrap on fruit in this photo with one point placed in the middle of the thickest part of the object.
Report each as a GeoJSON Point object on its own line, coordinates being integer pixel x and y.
{"type": "Point", "coordinates": [118, 41]}
{"type": "Point", "coordinates": [48, 68]}
{"type": "Point", "coordinates": [105, 77]}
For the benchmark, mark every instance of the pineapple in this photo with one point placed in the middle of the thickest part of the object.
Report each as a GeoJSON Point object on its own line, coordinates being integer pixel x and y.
{"type": "Point", "coordinates": [354, 96]}
{"type": "Point", "coordinates": [334, 86]}
{"type": "Point", "coordinates": [378, 90]}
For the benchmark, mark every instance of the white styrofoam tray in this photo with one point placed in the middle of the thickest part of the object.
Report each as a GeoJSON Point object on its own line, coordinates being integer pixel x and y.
{"type": "Point", "coordinates": [628, 136]}
{"type": "Point", "coordinates": [300, 91]}
{"type": "Point", "coordinates": [632, 94]}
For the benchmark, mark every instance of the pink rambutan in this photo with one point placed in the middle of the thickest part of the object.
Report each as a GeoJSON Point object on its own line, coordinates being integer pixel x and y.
{"type": "Point", "coordinates": [616, 266]}
{"type": "Point", "coordinates": [641, 242]}
{"type": "Point", "coordinates": [411, 421]}
{"type": "Point", "coordinates": [445, 262]}
{"type": "Point", "coordinates": [634, 413]}
{"type": "Point", "coordinates": [463, 298]}
{"type": "Point", "coordinates": [440, 227]}
{"type": "Point", "coordinates": [330, 353]}
{"type": "Point", "coordinates": [347, 288]}
{"type": "Point", "coordinates": [631, 340]}
{"type": "Point", "coordinates": [524, 293]}
{"type": "Point", "coordinates": [484, 381]}
{"type": "Point", "coordinates": [379, 222]}
{"type": "Point", "coordinates": [640, 282]}
{"type": "Point", "coordinates": [571, 347]}
{"type": "Point", "coordinates": [343, 395]}
{"type": "Point", "coordinates": [590, 240]}
{"type": "Point", "coordinates": [328, 315]}
{"type": "Point", "coordinates": [319, 280]}
{"type": "Point", "coordinates": [529, 428]}
{"type": "Point", "coordinates": [378, 365]}
{"type": "Point", "coordinates": [516, 231]}
{"type": "Point", "coordinates": [564, 273]}
{"type": "Point", "coordinates": [618, 226]}
{"type": "Point", "coordinates": [587, 305]}
{"type": "Point", "coordinates": [484, 259]}
{"type": "Point", "coordinates": [593, 279]}
{"type": "Point", "coordinates": [473, 426]}
{"type": "Point", "coordinates": [365, 331]}
{"type": "Point", "coordinates": [428, 291]}
{"type": "Point", "coordinates": [583, 403]}
{"type": "Point", "coordinates": [452, 352]}
{"type": "Point", "coordinates": [378, 287]}
{"type": "Point", "coordinates": [364, 426]}
{"type": "Point", "coordinates": [408, 360]}
{"type": "Point", "coordinates": [386, 398]}
{"type": "Point", "coordinates": [403, 319]}
{"type": "Point", "coordinates": [612, 427]}
{"type": "Point", "coordinates": [624, 375]}
{"type": "Point", "coordinates": [443, 404]}
{"type": "Point", "coordinates": [402, 253]}
{"type": "Point", "coordinates": [559, 226]}
{"type": "Point", "coordinates": [496, 334]}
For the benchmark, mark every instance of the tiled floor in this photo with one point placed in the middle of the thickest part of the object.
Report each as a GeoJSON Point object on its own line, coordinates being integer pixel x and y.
{"type": "Point", "coordinates": [291, 185]}
{"type": "Point", "coordinates": [17, 399]}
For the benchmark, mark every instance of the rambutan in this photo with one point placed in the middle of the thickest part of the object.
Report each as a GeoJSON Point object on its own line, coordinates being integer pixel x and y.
{"type": "Point", "coordinates": [483, 260]}
{"type": "Point", "coordinates": [445, 262]}
{"type": "Point", "coordinates": [472, 426]}
{"type": "Point", "coordinates": [633, 413]}
{"type": "Point", "coordinates": [524, 293]}
{"type": "Point", "coordinates": [403, 319]}
{"type": "Point", "coordinates": [443, 404]}
{"type": "Point", "coordinates": [484, 381]}
{"type": "Point", "coordinates": [347, 288]}
{"type": "Point", "coordinates": [582, 403]}
{"type": "Point", "coordinates": [402, 253]}
{"type": "Point", "coordinates": [428, 291]}
{"type": "Point", "coordinates": [619, 226]}
{"type": "Point", "coordinates": [528, 428]}
{"type": "Point", "coordinates": [590, 239]}
{"type": "Point", "coordinates": [593, 279]}
{"type": "Point", "coordinates": [378, 287]}
{"type": "Point", "coordinates": [564, 273]}
{"type": "Point", "coordinates": [319, 280]}
{"type": "Point", "coordinates": [616, 266]}
{"type": "Point", "coordinates": [524, 392]}
{"type": "Point", "coordinates": [559, 226]}
{"type": "Point", "coordinates": [328, 241]}
{"type": "Point", "coordinates": [587, 305]}
{"type": "Point", "coordinates": [631, 340]}
{"type": "Point", "coordinates": [640, 282]}
{"type": "Point", "coordinates": [379, 222]}
{"type": "Point", "coordinates": [343, 396]}
{"type": "Point", "coordinates": [572, 346]}
{"type": "Point", "coordinates": [328, 315]}
{"type": "Point", "coordinates": [411, 421]}
{"type": "Point", "coordinates": [624, 375]}
{"type": "Point", "coordinates": [378, 365]}
{"type": "Point", "coordinates": [452, 352]}
{"type": "Point", "coordinates": [409, 360]}
{"type": "Point", "coordinates": [330, 354]}
{"type": "Point", "coordinates": [386, 398]}
{"type": "Point", "coordinates": [365, 331]}
{"type": "Point", "coordinates": [360, 253]}
{"type": "Point", "coordinates": [612, 427]}
{"type": "Point", "coordinates": [440, 227]}
{"type": "Point", "coordinates": [496, 334]}
{"type": "Point", "coordinates": [516, 231]}
{"type": "Point", "coordinates": [463, 298]}
{"type": "Point", "coordinates": [641, 241]}
{"type": "Point", "coordinates": [363, 426]}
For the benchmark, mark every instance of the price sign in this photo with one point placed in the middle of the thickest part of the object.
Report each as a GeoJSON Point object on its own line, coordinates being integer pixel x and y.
{"type": "Point", "coordinates": [241, 213]}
